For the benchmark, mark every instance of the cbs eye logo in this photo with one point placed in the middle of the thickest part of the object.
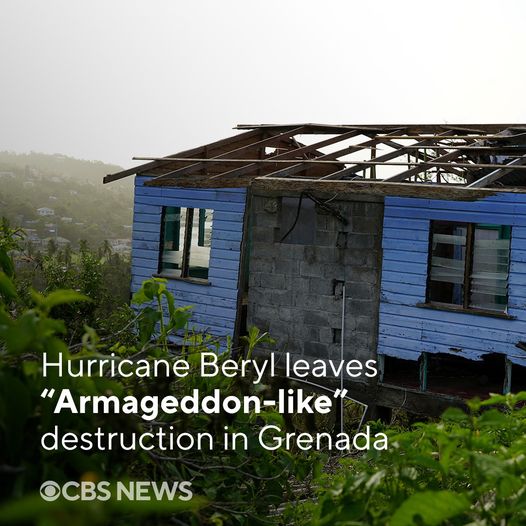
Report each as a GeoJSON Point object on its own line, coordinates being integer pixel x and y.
{"type": "Point", "coordinates": [50, 490]}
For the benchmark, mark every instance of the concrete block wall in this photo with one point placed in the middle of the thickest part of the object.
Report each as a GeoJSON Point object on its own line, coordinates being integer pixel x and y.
{"type": "Point", "coordinates": [295, 291]}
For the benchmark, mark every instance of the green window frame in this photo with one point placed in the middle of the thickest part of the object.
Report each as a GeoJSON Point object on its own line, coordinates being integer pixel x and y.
{"type": "Point", "coordinates": [186, 235]}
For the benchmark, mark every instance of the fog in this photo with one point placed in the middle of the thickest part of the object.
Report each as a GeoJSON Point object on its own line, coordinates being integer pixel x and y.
{"type": "Point", "coordinates": [107, 80]}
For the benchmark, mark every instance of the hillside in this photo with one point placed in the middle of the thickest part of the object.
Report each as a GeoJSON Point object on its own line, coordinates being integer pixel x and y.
{"type": "Point", "coordinates": [63, 198]}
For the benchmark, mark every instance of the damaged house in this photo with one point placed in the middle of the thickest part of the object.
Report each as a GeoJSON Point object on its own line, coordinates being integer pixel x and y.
{"type": "Point", "coordinates": [405, 244]}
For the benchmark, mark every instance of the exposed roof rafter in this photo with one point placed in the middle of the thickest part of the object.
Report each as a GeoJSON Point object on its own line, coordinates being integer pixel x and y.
{"type": "Point", "coordinates": [468, 155]}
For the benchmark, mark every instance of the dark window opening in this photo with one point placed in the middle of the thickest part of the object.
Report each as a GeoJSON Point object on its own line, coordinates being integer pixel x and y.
{"type": "Point", "coordinates": [185, 242]}
{"type": "Point", "coordinates": [469, 265]}
{"type": "Point", "coordinates": [297, 221]}
{"type": "Point", "coordinates": [465, 378]}
{"type": "Point", "coordinates": [518, 378]}
{"type": "Point", "coordinates": [404, 373]}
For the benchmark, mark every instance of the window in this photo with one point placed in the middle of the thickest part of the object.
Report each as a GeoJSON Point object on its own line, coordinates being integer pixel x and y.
{"type": "Point", "coordinates": [185, 242]}
{"type": "Point", "coordinates": [469, 265]}
{"type": "Point", "coordinates": [298, 221]}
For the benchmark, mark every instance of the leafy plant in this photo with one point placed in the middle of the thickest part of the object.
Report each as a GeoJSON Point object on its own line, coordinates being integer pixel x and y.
{"type": "Point", "coordinates": [465, 468]}
{"type": "Point", "coordinates": [235, 487]}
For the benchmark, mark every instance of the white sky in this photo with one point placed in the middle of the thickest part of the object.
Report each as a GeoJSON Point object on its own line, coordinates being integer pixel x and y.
{"type": "Point", "coordinates": [109, 79]}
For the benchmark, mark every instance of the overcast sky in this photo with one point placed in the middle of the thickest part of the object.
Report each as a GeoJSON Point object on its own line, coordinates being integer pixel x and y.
{"type": "Point", "coordinates": [109, 79]}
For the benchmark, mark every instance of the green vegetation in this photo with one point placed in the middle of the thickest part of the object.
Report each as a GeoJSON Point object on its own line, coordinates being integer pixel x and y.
{"type": "Point", "coordinates": [464, 469]}
{"type": "Point", "coordinates": [235, 488]}
{"type": "Point", "coordinates": [83, 208]}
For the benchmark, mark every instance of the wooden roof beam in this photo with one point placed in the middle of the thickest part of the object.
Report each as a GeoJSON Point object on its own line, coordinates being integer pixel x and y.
{"type": "Point", "coordinates": [381, 159]}
{"type": "Point", "coordinates": [291, 170]}
{"type": "Point", "coordinates": [423, 166]}
{"type": "Point", "coordinates": [192, 168]}
{"type": "Point", "coordinates": [423, 157]}
{"type": "Point", "coordinates": [233, 139]}
{"type": "Point", "coordinates": [243, 170]}
{"type": "Point", "coordinates": [388, 128]}
{"type": "Point", "coordinates": [455, 154]}
{"type": "Point", "coordinates": [498, 173]}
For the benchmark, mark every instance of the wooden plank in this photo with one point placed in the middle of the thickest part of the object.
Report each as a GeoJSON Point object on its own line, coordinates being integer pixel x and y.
{"type": "Point", "coordinates": [423, 372]}
{"type": "Point", "coordinates": [506, 388]}
{"type": "Point", "coordinates": [226, 245]}
{"type": "Point", "coordinates": [234, 195]}
{"type": "Point", "coordinates": [401, 332]}
{"type": "Point", "coordinates": [481, 206]}
{"type": "Point", "coordinates": [223, 283]}
{"type": "Point", "coordinates": [431, 315]}
{"type": "Point", "coordinates": [431, 347]}
{"type": "Point", "coordinates": [458, 328]}
{"type": "Point", "coordinates": [409, 246]}
{"type": "Point", "coordinates": [467, 216]}
{"type": "Point", "coordinates": [221, 273]}
{"type": "Point", "coordinates": [146, 254]}
{"type": "Point", "coordinates": [381, 159]}
{"type": "Point", "coordinates": [502, 197]}
{"type": "Point", "coordinates": [192, 168]}
{"type": "Point", "coordinates": [371, 188]}
{"type": "Point", "coordinates": [419, 257]}
{"type": "Point", "coordinates": [221, 224]}
{"type": "Point", "coordinates": [405, 224]}
{"type": "Point", "coordinates": [415, 235]}
{"type": "Point", "coordinates": [147, 218]}
{"type": "Point", "coordinates": [229, 236]}
{"type": "Point", "coordinates": [395, 352]}
{"type": "Point", "coordinates": [423, 166]}
{"type": "Point", "coordinates": [397, 277]}
{"type": "Point", "coordinates": [145, 245]}
{"type": "Point", "coordinates": [443, 158]}
{"type": "Point", "coordinates": [187, 292]}
{"type": "Point", "coordinates": [187, 203]}
{"type": "Point", "coordinates": [417, 290]}
{"type": "Point", "coordinates": [218, 253]}
{"type": "Point", "coordinates": [145, 227]}
{"type": "Point", "coordinates": [225, 264]}
{"type": "Point", "coordinates": [497, 174]}
{"type": "Point", "coordinates": [407, 127]}
{"type": "Point", "coordinates": [187, 153]}
{"type": "Point", "coordinates": [293, 154]}
{"type": "Point", "coordinates": [329, 157]}
{"type": "Point", "coordinates": [400, 298]}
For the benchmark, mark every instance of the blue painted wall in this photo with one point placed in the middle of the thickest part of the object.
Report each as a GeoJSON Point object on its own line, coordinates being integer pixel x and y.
{"type": "Point", "coordinates": [405, 331]}
{"type": "Point", "coordinates": [215, 305]}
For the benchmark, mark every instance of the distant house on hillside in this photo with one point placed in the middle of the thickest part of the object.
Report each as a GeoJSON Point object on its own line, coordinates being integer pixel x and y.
{"type": "Point", "coordinates": [31, 234]}
{"type": "Point", "coordinates": [120, 246]}
{"type": "Point", "coordinates": [45, 211]}
{"type": "Point", "coordinates": [6, 174]}
{"type": "Point", "coordinates": [66, 219]}
{"type": "Point", "coordinates": [61, 242]}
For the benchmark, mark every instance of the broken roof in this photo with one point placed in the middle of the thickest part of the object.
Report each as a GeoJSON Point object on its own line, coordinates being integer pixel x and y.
{"type": "Point", "coordinates": [371, 158]}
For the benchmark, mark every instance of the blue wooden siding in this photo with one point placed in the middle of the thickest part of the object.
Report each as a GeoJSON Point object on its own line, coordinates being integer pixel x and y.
{"type": "Point", "coordinates": [214, 305]}
{"type": "Point", "coordinates": [405, 330]}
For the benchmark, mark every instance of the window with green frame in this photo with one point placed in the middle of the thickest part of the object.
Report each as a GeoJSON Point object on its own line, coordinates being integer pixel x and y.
{"type": "Point", "coordinates": [185, 242]}
{"type": "Point", "coordinates": [469, 265]}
